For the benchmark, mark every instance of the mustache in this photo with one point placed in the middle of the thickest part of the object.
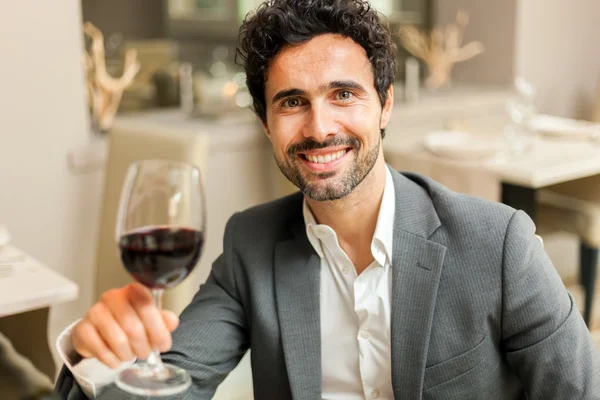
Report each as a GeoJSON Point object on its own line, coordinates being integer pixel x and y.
{"type": "Point", "coordinates": [311, 144]}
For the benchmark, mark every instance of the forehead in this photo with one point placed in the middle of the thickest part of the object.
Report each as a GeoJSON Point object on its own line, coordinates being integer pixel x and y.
{"type": "Point", "coordinates": [323, 59]}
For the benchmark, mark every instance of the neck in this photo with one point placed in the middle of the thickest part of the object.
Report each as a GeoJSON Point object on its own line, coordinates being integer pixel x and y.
{"type": "Point", "coordinates": [354, 217]}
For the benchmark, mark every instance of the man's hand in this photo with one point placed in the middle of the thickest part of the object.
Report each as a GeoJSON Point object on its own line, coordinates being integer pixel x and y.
{"type": "Point", "coordinates": [123, 324]}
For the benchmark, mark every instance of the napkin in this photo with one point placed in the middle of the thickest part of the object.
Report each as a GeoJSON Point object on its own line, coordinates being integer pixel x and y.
{"type": "Point", "coordinates": [551, 125]}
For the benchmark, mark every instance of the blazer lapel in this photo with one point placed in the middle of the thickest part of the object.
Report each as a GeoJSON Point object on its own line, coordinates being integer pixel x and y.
{"type": "Point", "coordinates": [416, 270]}
{"type": "Point", "coordinates": [416, 265]}
{"type": "Point", "coordinates": [297, 291]}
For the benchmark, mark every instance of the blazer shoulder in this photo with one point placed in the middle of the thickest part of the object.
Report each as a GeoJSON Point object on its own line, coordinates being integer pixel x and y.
{"type": "Point", "coordinates": [269, 221]}
{"type": "Point", "coordinates": [272, 211]}
{"type": "Point", "coordinates": [463, 211]}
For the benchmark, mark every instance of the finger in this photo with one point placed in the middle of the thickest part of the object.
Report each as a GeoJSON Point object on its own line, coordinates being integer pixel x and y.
{"type": "Point", "coordinates": [141, 292]}
{"type": "Point", "coordinates": [88, 343]}
{"type": "Point", "coordinates": [170, 319]}
{"type": "Point", "coordinates": [129, 321]}
{"type": "Point", "coordinates": [103, 320]}
{"type": "Point", "coordinates": [81, 346]}
{"type": "Point", "coordinates": [156, 329]}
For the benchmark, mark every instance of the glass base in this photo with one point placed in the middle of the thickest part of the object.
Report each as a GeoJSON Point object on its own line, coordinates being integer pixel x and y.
{"type": "Point", "coordinates": [139, 379]}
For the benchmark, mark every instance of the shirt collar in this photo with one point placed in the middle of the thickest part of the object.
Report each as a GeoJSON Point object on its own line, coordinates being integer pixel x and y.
{"type": "Point", "coordinates": [382, 243]}
{"type": "Point", "coordinates": [383, 238]}
{"type": "Point", "coordinates": [311, 224]}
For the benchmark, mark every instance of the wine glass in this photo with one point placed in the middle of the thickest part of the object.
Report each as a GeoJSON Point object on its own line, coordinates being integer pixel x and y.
{"type": "Point", "coordinates": [521, 110]}
{"type": "Point", "coordinates": [160, 234]}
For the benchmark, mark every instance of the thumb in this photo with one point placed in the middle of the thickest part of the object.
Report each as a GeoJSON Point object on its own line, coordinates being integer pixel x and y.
{"type": "Point", "coordinates": [171, 319]}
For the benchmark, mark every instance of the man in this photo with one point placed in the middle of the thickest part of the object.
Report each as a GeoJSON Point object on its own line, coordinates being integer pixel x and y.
{"type": "Point", "coordinates": [369, 283]}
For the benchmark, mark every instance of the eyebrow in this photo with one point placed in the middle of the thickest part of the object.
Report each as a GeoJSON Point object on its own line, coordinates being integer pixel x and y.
{"type": "Point", "coordinates": [332, 85]}
{"type": "Point", "coordinates": [346, 85]}
{"type": "Point", "coordinates": [287, 93]}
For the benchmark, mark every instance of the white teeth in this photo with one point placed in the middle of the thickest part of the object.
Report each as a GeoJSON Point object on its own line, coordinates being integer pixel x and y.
{"type": "Point", "coordinates": [326, 158]}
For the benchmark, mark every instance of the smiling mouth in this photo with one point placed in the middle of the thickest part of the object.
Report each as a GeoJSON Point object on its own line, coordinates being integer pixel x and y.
{"type": "Point", "coordinates": [324, 157]}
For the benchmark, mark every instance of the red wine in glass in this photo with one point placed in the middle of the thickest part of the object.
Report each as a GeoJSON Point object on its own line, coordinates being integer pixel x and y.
{"type": "Point", "coordinates": [160, 257]}
{"type": "Point", "coordinates": [160, 236]}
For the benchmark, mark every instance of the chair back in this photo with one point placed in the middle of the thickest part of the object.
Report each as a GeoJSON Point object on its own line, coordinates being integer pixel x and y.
{"type": "Point", "coordinates": [128, 144]}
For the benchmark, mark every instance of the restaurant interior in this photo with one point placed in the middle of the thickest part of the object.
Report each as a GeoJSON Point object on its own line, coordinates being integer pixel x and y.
{"type": "Point", "coordinates": [494, 99]}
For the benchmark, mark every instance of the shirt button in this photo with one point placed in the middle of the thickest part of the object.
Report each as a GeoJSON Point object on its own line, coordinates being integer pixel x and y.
{"type": "Point", "coordinates": [346, 270]}
{"type": "Point", "coordinates": [375, 393]}
{"type": "Point", "coordinates": [364, 334]}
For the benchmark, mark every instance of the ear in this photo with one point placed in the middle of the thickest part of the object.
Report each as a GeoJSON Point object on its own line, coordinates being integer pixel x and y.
{"type": "Point", "coordinates": [266, 128]}
{"type": "Point", "coordinates": [386, 112]}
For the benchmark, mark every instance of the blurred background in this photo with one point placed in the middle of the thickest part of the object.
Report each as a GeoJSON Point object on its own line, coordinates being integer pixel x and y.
{"type": "Point", "coordinates": [498, 99]}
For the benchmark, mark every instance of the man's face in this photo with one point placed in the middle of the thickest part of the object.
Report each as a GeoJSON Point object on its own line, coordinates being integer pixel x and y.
{"type": "Point", "coordinates": [324, 116]}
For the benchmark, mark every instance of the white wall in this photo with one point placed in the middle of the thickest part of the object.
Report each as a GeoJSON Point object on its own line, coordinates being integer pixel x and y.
{"type": "Point", "coordinates": [552, 43]}
{"type": "Point", "coordinates": [51, 213]}
{"type": "Point", "coordinates": [558, 50]}
{"type": "Point", "coordinates": [493, 23]}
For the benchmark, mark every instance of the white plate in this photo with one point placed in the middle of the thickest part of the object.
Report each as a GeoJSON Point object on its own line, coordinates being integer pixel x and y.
{"type": "Point", "coordinates": [462, 145]}
{"type": "Point", "coordinates": [559, 127]}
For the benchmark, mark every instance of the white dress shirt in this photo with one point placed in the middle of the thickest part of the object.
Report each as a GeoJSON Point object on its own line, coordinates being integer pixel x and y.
{"type": "Point", "coordinates": [355, 316]}
{"type": "Point", "coordinates": [355, 309]}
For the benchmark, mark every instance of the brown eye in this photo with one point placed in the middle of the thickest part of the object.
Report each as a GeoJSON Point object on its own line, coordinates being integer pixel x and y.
{"type": "Point", "coordinates": [345, 95]}
{"type": "Point", "coordinates": [291, 103]}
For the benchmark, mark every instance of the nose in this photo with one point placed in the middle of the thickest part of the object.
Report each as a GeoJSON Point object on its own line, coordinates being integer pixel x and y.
{"type": "Point", "coordinates": [321, 124]}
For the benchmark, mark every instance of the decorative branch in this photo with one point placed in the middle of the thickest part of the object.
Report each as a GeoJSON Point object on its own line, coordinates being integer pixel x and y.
{"type": "Point", "coordinates": [104, 90]}
{"type": "Point", "coordinates": [440, 49]}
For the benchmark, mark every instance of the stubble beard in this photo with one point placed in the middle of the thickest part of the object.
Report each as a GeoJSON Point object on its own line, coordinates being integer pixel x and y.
{"type": "Point", "coordinates": [316, 188]}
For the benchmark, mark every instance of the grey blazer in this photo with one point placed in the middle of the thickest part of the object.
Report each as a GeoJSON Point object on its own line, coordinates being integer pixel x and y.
{"type": "Point", "coordinates": [478, 311]}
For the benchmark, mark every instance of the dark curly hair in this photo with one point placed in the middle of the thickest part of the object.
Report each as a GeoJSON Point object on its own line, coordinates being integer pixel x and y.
{"type": "Point", "coordinates": [277, 23]}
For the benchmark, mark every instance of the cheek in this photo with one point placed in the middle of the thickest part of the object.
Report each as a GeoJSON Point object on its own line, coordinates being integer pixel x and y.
{"type": "Point", "coordinates": [362, 121]}
{"type": "Point", "coordinates": [284, 132]}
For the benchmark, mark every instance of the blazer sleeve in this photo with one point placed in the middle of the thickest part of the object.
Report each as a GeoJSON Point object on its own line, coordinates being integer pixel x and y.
{"type": "Point", "coordinates": [544, 336]}
{"type": "Point", "coordinates": [211, 339]}
{"type": "Point", "coordinates": [67, 388]}
{"type": "Point", "coordinates": [213, 333]}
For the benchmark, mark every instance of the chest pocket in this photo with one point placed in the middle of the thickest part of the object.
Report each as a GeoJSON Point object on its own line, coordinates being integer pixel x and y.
{"type": "Point", "coordinates": [457, 369]}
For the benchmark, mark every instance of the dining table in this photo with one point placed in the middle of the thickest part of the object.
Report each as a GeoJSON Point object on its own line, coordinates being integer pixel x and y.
{"type": "Point", "coordinates": [506, 176]}
{"type": "Point", "coordinates": [512, 177]}
{"type": "Point", "coordinates": [28, 290]}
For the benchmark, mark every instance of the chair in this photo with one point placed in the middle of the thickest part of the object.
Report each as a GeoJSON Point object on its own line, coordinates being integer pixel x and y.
{"type": "Point", "coordinates": [128, 144]}
{"type": "Point", "coordinates": [574, 207]}
{"type": "Point", "coordinates": [596, 337]}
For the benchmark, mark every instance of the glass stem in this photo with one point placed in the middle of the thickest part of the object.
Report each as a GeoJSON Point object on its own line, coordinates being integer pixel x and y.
{"type": "Point", "coordinates": [153, 361]}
